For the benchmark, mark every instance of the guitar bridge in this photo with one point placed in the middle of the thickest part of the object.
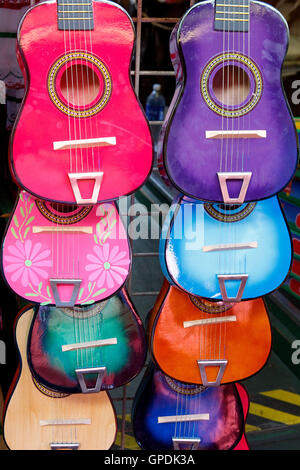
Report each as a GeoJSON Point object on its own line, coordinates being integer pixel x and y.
{"type": "Point", "coordinates": [232, 277]}
{"type": "Point", "coordinates": [186, 443]}
{"type": "Point", "coordinates": [224, 177]}
{"type": "Point", "coordinates": [94, 176]}
{"type": "Point", "coordinates": [212, 363]}
{"type": "Point", "coordinates": [64, 445]}
{"type": "Point", "coordinates": [81, 373]}
{"type": "Point", "coordinates": [65, 303]}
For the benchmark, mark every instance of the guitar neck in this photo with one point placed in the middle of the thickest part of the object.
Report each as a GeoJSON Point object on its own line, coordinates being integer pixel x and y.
{"type": "Point", "coordinates": [232, 15]}
{"type": "Point", "coordinates": [75, 15]}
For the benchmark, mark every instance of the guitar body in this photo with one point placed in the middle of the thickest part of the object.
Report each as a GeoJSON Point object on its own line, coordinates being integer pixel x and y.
{"type": "Point", "coordinates": [78, 90]}
{"type": "Point", "coordinates": [178, 77]}
{"type": "Point", "coordinates": [63, 340]}
{"type": "Point", "coordinates": [212, 59]}
{"type": "Point", "coordinates": [65, 255]}
{"type": "Point", "coordinates": [244, 397]}
{"type": "Point", "coordinates": [227, 253]}
{"type": "Point", "coordinates": [160, 397]}
{"type": "Point", "coordinates": [36, 417]}
{"type": "Point", "coordinates": [186, 329]}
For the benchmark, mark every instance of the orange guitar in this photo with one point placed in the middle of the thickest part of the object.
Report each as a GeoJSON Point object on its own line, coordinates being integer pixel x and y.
{"type": "Point", "coordinates": [211, 343]}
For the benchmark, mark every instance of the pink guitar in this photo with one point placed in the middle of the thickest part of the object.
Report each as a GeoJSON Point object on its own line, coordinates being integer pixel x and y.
{"type": "Point", "coordinates": [65, 255]}
{"type": "Point", "coordinates": [81, 136]}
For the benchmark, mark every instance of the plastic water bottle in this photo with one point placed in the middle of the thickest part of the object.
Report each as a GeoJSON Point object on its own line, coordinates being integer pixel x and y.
{"type": "Point", "coordinates": [155, 104]}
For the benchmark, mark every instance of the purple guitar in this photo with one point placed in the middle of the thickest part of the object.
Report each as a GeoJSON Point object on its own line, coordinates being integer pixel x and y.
{"type": "Point", "coordinates": [231, 137]}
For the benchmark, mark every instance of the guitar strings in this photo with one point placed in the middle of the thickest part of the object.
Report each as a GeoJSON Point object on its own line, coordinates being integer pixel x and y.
{"type": "Point", "coordinates": [232, 87]}
{"type": "Point", "coordinates": [59, 405]}
{"type": "Point", "coordinates": [94, 88]}
{"type": "Point", "coordinates": [79, 68]}
{"type": "Point", "coordinates": [80, 88]}
{"type": "Point", "coordinates": [247, 2]}
{"type": "Point", "coordinates": [219, 255]}
{"type": "Point", "coordinates": [244, 53]}
{"type": "Point", "coordinates": [75, 86]}
{"type": "Point", "coordinates": [179, 399]}
{"type": "Point", "coordinates": [71, 68]}
{"type": "Point", "coordinates": [67, 81]}
{"type": "Point", "coordinates": [96, 165]}
{"type": "Point", "coordinates": [227, 230]}
{"type": "Point", "coordinates": [249, 56]}
{"type": "Point", "coordinates": [86, 102]}
{"type": "Point", "coordinates": [231, 224]}
{"type": "Point", "coordinates": [239, 100]}
{"type": "Point", "coordinates": [223, 99]}
{"type": "Point", "coordinates": [87, 335]}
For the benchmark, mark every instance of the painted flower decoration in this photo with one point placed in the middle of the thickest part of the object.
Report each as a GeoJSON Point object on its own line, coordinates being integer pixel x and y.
{"type": "Point", "coordinates": [108, 266]}
{"type": "Point", "coordinates": [26, 262]}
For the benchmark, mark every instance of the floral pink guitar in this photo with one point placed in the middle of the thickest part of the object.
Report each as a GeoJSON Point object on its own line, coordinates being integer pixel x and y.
{"type": "Point", "coordinates": [65, 255]}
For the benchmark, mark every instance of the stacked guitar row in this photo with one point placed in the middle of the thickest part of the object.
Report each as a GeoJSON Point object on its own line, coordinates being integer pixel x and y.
{"type": "Point", "coordinates": [228, 146]}
{"type": "Point", "coordinates": [81, 141]}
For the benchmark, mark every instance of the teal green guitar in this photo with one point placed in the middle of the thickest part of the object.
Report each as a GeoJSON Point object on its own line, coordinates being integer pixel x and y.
{"type": "Point", "coordinates": [87, 349]}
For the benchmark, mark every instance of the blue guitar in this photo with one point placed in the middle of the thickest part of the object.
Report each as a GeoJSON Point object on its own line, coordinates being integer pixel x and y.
{"type": "Point", "coordinates": [170, 415]}
{"type": "Point", "coordinates": [226, 252]}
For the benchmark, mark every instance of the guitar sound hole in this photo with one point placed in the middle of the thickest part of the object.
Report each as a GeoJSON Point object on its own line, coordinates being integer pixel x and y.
{"type": "Point", "coordinates": [229, 207]}
{"type": "Point", "coordinates": [63, 208]}
{"type": "Point", "coordinates": [231, 85]}
{"type": "Point", "coordinates": [79, 85]}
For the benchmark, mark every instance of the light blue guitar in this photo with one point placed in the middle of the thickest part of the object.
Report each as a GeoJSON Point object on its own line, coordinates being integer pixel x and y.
{"type": "Point", "coordinates": [225, 252]}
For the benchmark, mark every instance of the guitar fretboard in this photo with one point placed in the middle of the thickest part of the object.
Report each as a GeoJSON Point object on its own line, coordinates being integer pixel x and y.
{"type": "Point", "coordinates": [232, 15]}
{"type": "Point", "coordinates": [75, 15]}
